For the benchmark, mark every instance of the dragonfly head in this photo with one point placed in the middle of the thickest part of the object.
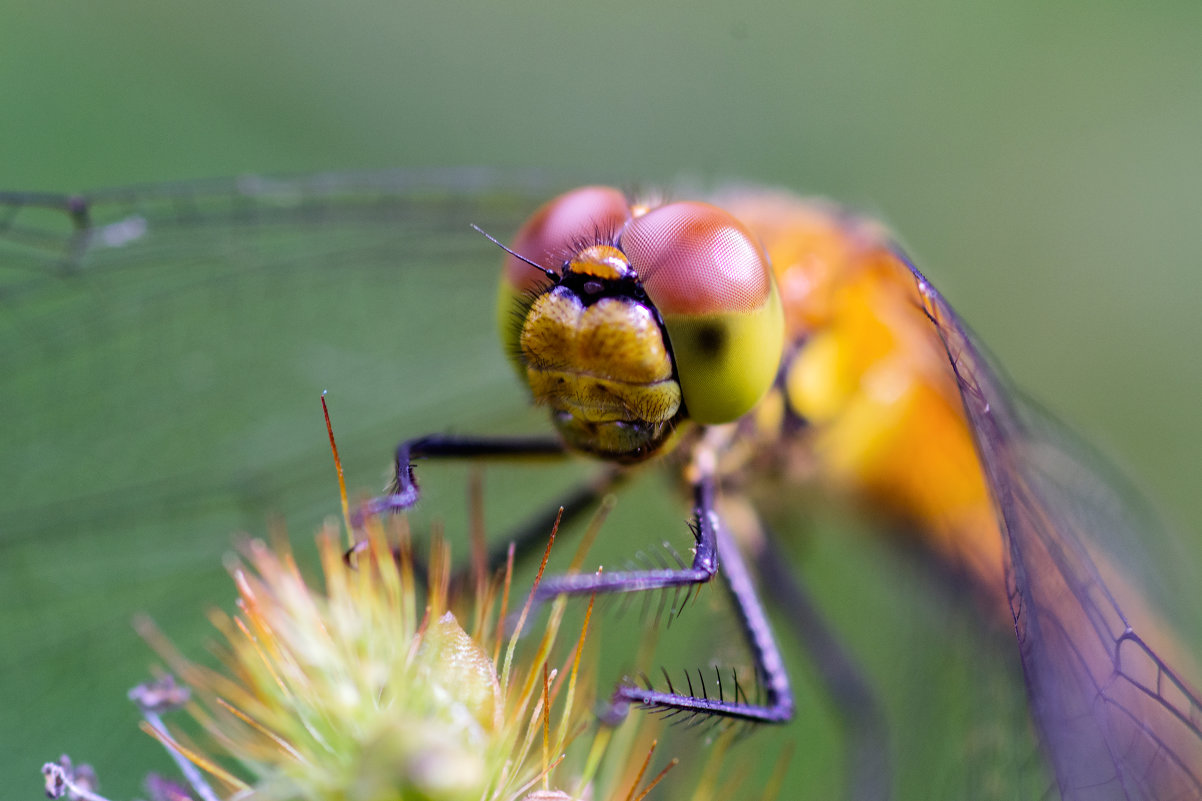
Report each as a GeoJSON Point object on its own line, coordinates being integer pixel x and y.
{"type": "Point", "coordinates": [632, 320]}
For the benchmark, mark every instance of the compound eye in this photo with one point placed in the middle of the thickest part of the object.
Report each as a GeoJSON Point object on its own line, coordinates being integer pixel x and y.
{"type": "Point", "coordinates": [560, 227]}
{"type": "Point", "coordinates": [715, 291]}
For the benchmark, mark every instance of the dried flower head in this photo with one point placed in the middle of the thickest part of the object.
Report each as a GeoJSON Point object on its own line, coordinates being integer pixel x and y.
{"type": "Point", "coordinates": [376, 686]}
{"type": "Point", "coordinates": [366, 690]}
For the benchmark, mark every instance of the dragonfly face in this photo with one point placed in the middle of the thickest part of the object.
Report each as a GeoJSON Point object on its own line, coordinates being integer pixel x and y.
{"type": "Point", "coordinates": [135, 402]}
{"type": "Point", "coordinates": [640, 319]}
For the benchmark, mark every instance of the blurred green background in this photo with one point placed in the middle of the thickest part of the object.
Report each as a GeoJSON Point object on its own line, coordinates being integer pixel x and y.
{"type": "Point", "coordinates": [1042, 163]}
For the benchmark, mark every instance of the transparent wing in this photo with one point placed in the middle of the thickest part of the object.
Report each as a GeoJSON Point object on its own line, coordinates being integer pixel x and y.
{"type": "Point", "coordinates": [164, 353]}
{"type": "Point", "coordinates": [1116, 715]}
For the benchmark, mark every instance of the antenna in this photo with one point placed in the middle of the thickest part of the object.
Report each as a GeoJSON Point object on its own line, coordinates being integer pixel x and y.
{"type": "Point", "coordinates": [549, 273]}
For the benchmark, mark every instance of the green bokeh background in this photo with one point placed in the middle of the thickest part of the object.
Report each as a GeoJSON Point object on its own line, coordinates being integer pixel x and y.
{"type": "Point", "coordinates": [1043, 163]}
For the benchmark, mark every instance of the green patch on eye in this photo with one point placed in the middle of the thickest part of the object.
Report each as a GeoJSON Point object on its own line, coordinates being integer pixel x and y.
{"type": "Point", "coordinates": [726, 362]}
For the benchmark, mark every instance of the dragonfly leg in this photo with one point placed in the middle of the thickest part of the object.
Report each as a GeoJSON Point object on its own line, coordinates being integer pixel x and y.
{"type": "Point", "coordinates": [404, 491]}
{"type": "Point", "coordinates": [530, 535]}
{"type": "Point", "coordinates": [714, 544]}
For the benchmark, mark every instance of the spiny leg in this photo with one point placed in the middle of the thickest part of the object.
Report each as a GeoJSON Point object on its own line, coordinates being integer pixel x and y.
{"type": "Point", "coordinates": [713, 544]}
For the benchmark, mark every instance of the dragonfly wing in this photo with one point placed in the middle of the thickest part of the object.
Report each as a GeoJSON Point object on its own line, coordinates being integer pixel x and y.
{"type": "Point", "coordinates": [1116, 718]}
{"type": "Point", "coordinates": [155, 336]}
{"type": "Point", "coordinates": [164, 352]}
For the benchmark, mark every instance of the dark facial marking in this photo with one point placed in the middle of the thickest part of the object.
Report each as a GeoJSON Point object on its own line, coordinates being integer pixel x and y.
{"type": "Point", "coordinates": [711, 339]}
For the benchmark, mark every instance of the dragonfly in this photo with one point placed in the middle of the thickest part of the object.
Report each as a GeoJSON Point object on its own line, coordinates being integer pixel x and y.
{"type": "Point", "coordinates": [166, 335]}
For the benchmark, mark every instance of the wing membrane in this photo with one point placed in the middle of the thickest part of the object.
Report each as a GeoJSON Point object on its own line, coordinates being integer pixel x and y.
{"type": "Point", "coordinates": [195, 318]}
{"type": "Point", "coordinates": [164, 352]}
{"type": "Point", "coordinates": [1117, 719]}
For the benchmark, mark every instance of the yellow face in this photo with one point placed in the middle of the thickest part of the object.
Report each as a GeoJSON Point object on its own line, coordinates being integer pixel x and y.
{"type": "Point", "coordinates": [637, 320]}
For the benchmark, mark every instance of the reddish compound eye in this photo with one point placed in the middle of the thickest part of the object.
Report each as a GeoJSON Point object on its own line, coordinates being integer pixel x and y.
{"type": "Point", "coordinates": [694, 258]}
{"type": "Point", "coordinates": [566, 221]}
{"type": "Point", "coordinates": [714, 289]}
